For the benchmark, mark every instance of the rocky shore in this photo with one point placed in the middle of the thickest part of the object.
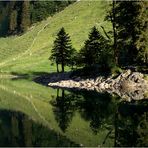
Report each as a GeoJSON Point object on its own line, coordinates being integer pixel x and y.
{"type": "Point", "coordinates": [128, 85]}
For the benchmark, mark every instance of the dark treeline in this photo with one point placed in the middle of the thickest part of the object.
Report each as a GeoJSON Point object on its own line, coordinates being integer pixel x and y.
{"type": "Point", "coordinates": [126, 44]}
{"type": "Point", "coordinates": [130, 25]}
{"type": "Point", "coordinates": [17, 16]}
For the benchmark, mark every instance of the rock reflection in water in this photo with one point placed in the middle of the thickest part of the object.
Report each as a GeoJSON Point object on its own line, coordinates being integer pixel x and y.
{"type": "Point", "coordinates": [93, 107]}
{"type": "Point", "coordinates": [18, 130]}
{"type": "Point", "coordinates": [126, 122]}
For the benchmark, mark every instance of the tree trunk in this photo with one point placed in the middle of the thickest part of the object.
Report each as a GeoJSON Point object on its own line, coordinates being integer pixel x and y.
{"type": "Point", "coordinates": [58, 93]}
{"type": "Point", "coordinates": [72, 67]}
{"type": "Point", "coordinates": [116, 54]}
{"type": "Point", "coordinates": [63, 94]}
{"type": "Point", "coordinates": [116, 130]}
{"type": "Point", "coordinates": [62, 67]}
{"type": "Point", "coordinates": [57, 67]}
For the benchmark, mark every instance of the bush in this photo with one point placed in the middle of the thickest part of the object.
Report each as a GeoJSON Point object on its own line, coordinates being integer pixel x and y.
{"type": "Point", "coordinates": [115, 70]}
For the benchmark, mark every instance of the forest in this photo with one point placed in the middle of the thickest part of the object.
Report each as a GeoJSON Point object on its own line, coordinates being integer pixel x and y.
{"type": "Point", "coordinates": [125, 45]}
{"type": "Point", "coordinates": [17, 16]}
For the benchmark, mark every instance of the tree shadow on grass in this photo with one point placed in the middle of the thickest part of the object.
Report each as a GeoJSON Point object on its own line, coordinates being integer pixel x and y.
{"type": "Point", "coordinates": [42, 78]}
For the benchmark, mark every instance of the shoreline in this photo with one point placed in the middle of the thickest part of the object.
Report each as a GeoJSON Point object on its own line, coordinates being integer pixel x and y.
{"type": "Point", "coordinates": [128, 85]}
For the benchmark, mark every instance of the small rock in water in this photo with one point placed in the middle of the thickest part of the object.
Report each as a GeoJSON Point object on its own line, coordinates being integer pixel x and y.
{"type": "Point", "coordinates": [81, 144]}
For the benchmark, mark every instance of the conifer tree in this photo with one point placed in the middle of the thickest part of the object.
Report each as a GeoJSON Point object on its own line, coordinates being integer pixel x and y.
{"type": "Point", "coordinates": [62, 50]}
{"type": "Point", "coordinates": [129, 20]}
{"type": "Point", "coordinates": [132, 24]}
{"type": "Point", "coordinates": [93, 49]}
{"type": "Point", "coordinates": [12, 17]}
{"type": "Point", "coordinates": [13, 21]}
{"type": "Point", "coordinates": [25, 22]}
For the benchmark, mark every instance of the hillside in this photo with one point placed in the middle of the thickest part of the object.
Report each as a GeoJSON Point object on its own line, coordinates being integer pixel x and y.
{"type": "Point", "coordinates": [29, 53]}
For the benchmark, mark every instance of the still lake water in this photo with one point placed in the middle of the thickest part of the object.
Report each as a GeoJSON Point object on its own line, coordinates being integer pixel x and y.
{"type": "Point", "coordinates": [36, 115]}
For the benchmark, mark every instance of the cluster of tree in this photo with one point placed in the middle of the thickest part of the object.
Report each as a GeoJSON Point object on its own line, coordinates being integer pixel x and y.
{"type": "Point", "coordinates": [17, 16]}
{"type": "Point", "coordinates": [96, 51]}
{"type": "Point", "coordinates": [62, 52]}
{"type": "Point", "coordinates": [125, 44]}
{"type": "Point", "coordinates": [130, 26]}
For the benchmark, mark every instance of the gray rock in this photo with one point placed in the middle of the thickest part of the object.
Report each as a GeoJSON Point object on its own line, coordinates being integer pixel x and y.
{"type": "Point", "coordinates": [128, 85]}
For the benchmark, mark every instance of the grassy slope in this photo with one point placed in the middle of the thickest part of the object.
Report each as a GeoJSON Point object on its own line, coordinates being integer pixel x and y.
{"type": "Point", "coordinates": [29, 53]}
{"type": "Point", "coordinates": [77, 20]}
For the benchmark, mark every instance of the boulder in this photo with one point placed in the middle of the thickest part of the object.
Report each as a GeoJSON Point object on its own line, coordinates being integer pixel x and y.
{"type": "Point", "coordinates": [128, 85]}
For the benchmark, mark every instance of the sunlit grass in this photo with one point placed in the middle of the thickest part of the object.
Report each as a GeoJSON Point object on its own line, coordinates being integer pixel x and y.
{"type": "Point", "coordinates": [77, 19]}
{"type": "Point", "coordinates": [31, 98]}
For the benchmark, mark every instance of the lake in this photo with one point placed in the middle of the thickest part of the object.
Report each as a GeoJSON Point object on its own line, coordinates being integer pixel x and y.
{"type": "Point", "coordinates": [35, 115]}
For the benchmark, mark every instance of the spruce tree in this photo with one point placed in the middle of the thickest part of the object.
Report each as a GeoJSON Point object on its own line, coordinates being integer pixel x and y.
{"type": "Point", "coordinates": [12, 17]}
{"type": "Point", "coordinates": [62, 50]}
{"type": "Point", "coordinates": [25, 22]}
{"type": "Point", "coordinates": [111, 16]}
{"type": "Point", "coordinates": [142, 39]}
{"type": "Point", "coordinates": [129, 20]}
{"type": "Point", "coordinates": [13, 22]}
{"type": "Point", "coordinates": [131, 25]}
{"type": "Point", "coordinates": [93, 49]}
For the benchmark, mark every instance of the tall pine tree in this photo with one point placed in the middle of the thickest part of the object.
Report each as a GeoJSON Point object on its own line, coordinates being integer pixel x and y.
{"type": "Point", "coordinates": [62, 49]}
{"type": "Point", "coordinates": [25, 22]}
{"type": "Point", "coordinates": [129, 20]}
{"type": "Point", "coordinates": [13, 22]}
{"type": "Point", "coordinates": [111, 16]}
{"type": "Point", "coordinates": [94, 48]}
{"type": "Point", "coordinates": [12, 14]}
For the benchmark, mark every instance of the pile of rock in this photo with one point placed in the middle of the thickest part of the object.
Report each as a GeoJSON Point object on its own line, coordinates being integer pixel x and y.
{"type": "Point", "coordinates": [128, 85]}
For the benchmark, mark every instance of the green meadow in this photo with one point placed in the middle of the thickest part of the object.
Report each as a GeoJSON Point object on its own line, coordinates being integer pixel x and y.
{"type": "Point", "coordinates": [30, 52]}
{"type": "Point", "coordinates": [92, 119]}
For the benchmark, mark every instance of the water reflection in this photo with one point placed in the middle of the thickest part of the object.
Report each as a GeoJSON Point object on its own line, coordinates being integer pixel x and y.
{"type": "Point", "coordinates": [126, 123]}
{"type": "Point", "coordinates": [63, 109]}
{"type": "Point", "coordinates": [131, 126]}
{"type": "Point", "coordinates": [18, 130]}
{"type": "Point", "coordinates": [81, 117]}
{"type": "Point", "coordinates": [93, 107]}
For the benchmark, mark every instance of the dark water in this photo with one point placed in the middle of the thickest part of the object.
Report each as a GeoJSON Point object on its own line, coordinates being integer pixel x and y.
{"type": "Point", "coordinates": [18, 130]}
{"type": "Point", "coordinates": [129, 121]}
{"type": "Point", "coordinates": [71, 118]}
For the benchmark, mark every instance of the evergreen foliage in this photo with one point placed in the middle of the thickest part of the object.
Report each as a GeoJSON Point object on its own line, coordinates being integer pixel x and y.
{"type": "Point", "coordinates": [21, 14]}
{"type": "Point", "coordinates": [25, 22]}
{"type": "Point", "coordinates": [95, 49]}
{"type": "Point", "coordinates": [13, 21]}
{"type": "Point", "coordinates": [129, 20]}
{"type": "Point", "coordinates": [42, 9]}
{"type": "Point", "coordinates": [62, 50]}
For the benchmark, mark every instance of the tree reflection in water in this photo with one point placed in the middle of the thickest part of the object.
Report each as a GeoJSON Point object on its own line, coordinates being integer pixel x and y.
{"type": "Point", "coordinates": [17, 130]}
{"type": "Point", "coordinates": [94, 108]}
{"type": "Point", "coordinates": [127, 123]}
{"type": "Point", "coordinates": [131, 126]}
{"type": "Point", "coordinates": [63, 109]}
